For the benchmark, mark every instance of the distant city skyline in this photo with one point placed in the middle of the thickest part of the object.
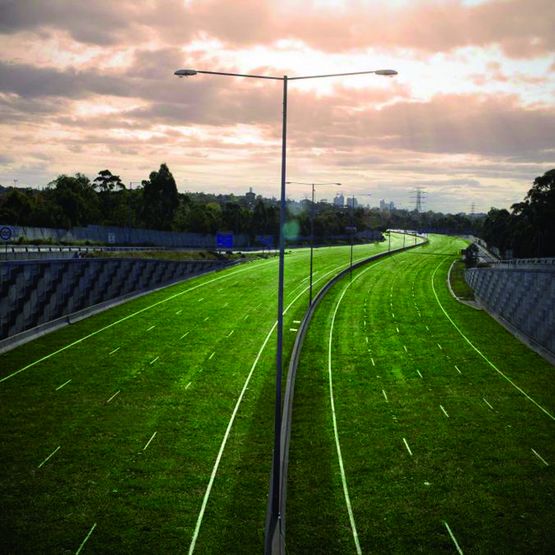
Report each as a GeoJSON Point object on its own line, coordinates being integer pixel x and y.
{"type": "Point", "coordinates": [470, 117]}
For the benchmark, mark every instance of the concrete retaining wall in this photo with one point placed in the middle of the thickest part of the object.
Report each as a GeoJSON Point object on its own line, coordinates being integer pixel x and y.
{"type": "Point", "coordinates": [522, 297]}
{"type": "Point", "coordinates": [33, 293]}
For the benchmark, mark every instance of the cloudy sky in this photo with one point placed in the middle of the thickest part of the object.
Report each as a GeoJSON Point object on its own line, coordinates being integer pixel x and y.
{"type": "Point", "coordinates": [86, 86]}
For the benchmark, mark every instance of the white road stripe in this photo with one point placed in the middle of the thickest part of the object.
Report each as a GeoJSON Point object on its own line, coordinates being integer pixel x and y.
{"type": "Point", "coordinates": [418, 372]}
{"type": "Point", "coordinates": [200, 300]}
{"type": "Point", "coordinates": [114, 395]}
{"type": "Point", "coordinates": [546, 412]}
{"type": "Point", "coordinates": [405, 347]}
{"type": "Point", "coordinates": [407, 446]}
{"type": "Point", "coordinates": [207, 318]}
{"type": "Point", "coordinates": [441, 348]}
{"type": "Point", "coordinates": [64, 384]}
{"type": "Point", "coordinates": [457, 369]}
{"type": "Point", "coordinates": [230, 333]}
{"type": "Point", "coordinates": [459, 550]}
{"type": "Point", "coordinates": [86, 539]}
{"type": "Point", "coordinates": [385, 396]}
{"type": "Point", "coordinates": [427, 328]}
{"type": "Point", "coordinates": [49, 456]}
{"type": "Point", "coordinates": [179, 312]}
{"type": "Point", "coordinates": [486, 402]}
{"type": "Point", "coordinates": [296, 321]}
{"type": "Point", "coordinates": [540, 457]}
{"type": "Point", "coordinates": [246, 316]}
{"type": "Point", "coordinates": [293, 329]}
{"type": "Point", "coordinates": [225, 305]}
{"type": "Point", "coordinates": [211, 356]}
{"type": "Point", "coordinates": [151, 327]}
{"type": "Point", "coordinates": [114, 351]}
{"type": "Point", "coordinates": [187, 386]}
{"type": "Point", "coordinates": [373, 363]}
{"type": "Point", "coordinates": [397, 328]}
{"type": "Point", "coordinates": [154, 360]}
{"type": "Point", "coordinates": [148, 442]}
{"type": "Point", "coordinates": [184, 335]}
{"type": "Point", "coordinates": [444, 411]}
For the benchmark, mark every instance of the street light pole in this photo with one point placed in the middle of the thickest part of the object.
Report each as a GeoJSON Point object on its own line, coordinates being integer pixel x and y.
{"type": "Point", "coordinates": [275, 517]}
{"type": "Point", "coordinates": [311, 228]}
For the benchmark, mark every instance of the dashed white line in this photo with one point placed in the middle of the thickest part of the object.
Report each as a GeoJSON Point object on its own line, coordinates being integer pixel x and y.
{"type": "Point", "coordinates": [113, 396]}
{"type": "Point", "coordinates": [114, 351]}
{"type": "Point", "coordinates": [212, 355]}
{"type": "Point", "coordinates": [49, 456]}
{"type": "Point", "coordinates": [444, 411]}
{"type": "Point", "coordinates": [405, 347]}
{"type": "Point", "coordinates": [154, 360]}
{"type": "Point", "coordinates": [200, 300]}
{"type": "Point", "coordinates": [225, 305]}
{"type": "Point", "coordinates": [487, 403]}
{"type": "Point", "coordinates": [457, 369]}
{"type": "Point", "coordinates": [385, 396]}
{"type": "Point", "coordinates": [246, 317]}
{"type": "Point", "coordinates": [63, 385]}
{"type": "Point", "coordinates": [207, 318]}
{"type": "Point", "coordinates": [373, 363]}
{"type": "Point", "coordinates": [293, 329]}
{"type": "Point", "coordinates": [407, 446]}
{"type": "Point", "coordinates": [230, 333]}
{"type": "Point", "coordinates": [427, 328]}
{"type": "Point", "coordinates": [296, 321]}
{"type": "Point", "coordinates": [86, 539]}
{"type": "Point", "coordinates": [151, 327]}
{"type": "Point", "coordinates": [440, 347]}
{"type": "Point", "coordinates": [457, 546]}
{"type": "Point", "coordinates": [179, 312]}
{"type": "Point", "coordinates": [184, 335]}
{"type": "Point", "coordinates": [540, 457]}
{"type": "Point", "coordinates": [148, 442]}
{"type": "Point", "coordinates": [397, 328]}
{"type": "Point", "coordinates": [418, 372]}
{"type": "Point", "coordinates": [188, 385]}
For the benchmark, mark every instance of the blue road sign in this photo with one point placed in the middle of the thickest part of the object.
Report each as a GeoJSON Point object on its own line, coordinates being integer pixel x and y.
{"type": "Point", "coordinates": [224, 240]}
{"type": "Point", "coordinates": [5, 233]}
{"type": "Point", "coordinates": [265, 240]}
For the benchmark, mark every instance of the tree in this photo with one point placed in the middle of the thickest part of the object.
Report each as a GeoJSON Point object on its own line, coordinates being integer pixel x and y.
{"type": "Point", "coordinates": [106, 182]}
{"type": "Point", "coordinates": [160, 199]}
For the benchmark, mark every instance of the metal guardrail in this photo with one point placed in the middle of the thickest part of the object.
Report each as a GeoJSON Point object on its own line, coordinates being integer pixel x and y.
{"type": "Point", "coordinates": [275, 528]}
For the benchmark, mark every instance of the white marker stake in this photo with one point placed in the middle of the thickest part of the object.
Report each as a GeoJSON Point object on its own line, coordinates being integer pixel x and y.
{"type": "Point", "coordinates": [148, 442]}
{"type": "Point", "coordinates": [114, 351]}
{"type": "Point", "coordinates": [407, 446]}
{"type": "Point", "coordinates": [540, 457]}
{"type": "Point", "coordinates": [418, 372]}
{"type": "Point", "coordinates": [86, 539]}
{"type": "Point", "coordinates": [64, 384]}
{"type": "Point", "coordinates": [184, 335]}
{"type": "Point", "coordinates": [151, 327]}
{"type": "Point", "coordinates": [459, 550]}
{"type": "Point", "coordinates": [444, 411]}
{"type": "Point", "coordinates": [486, 402]}
{"type": "Point", "coordinates": [154, 360]}
{"type": "Point", "coordinates": [230, 333]}
{"type": "Point", "coordinates": [210, 357]}
{"type": "Point", "coordinates": [113, 396]}
{"type": "Point", "coordinates": [385, 396]}
{"type": "Point", "coordinates": [49, 456]}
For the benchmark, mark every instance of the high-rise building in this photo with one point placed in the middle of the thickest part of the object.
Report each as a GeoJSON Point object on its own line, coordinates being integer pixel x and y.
{"type": "Point", "coordinates": [339, 200]}
{"type": "Point", "coordinates": [352, 202]}
{"type": "Point", "coordinates": [250, 198]}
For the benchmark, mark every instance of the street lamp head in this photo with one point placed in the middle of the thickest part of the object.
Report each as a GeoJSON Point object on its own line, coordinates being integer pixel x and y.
{"type": "Point", "coordinates": [185, 72]}
{"type": "Point", "coordinates": [385, 72]}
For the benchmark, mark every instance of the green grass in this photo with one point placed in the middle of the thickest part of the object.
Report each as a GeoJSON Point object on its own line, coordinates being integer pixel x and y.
{"type": "Point", "coordinates": [458, 284]}
{"type": "Point", "coordinates": [473, 469]}
{"type": "Point", "coordinates": [146, 501]}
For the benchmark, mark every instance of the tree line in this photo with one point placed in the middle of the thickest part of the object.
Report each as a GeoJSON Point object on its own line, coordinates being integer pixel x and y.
{"type": "Point", "coordinates": [73, 201]}
{"type": "Point", "coordinates": [528, 230]}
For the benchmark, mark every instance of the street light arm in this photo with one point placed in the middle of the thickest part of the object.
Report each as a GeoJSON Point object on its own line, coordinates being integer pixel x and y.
{"type": "Point", "coordinates": [377, 72]}
{"type": "Point", "coordinates": [191, 72]}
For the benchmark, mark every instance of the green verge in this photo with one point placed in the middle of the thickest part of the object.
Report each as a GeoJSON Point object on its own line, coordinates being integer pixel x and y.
{"type": "Point", "coordinates": [472, 468]}
{"type": "Point", "coordinates": [179, 359]}
{"type": "Point", "coordinates": [458, 284]}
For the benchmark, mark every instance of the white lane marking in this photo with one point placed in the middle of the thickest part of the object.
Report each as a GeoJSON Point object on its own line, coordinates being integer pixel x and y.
{"type": "Point", "coordinates": [480, 352]}
{"type": "Point", "coordinates": [179, 312]}
{"type": "Point", "coordinates": [427, 328]}
{"type": "Point", "coordinates": [184, 335]}
{"type": "Point", "coordinates": [49, 456]}
{"type": "Point", "coordinates": [373, 363]}
{"type": "Point", "coordinates": [444, 411]}
{"type": "Point", "coordinates": [418, 372]}
{"type": "Point", "coordinates": [86, 539]}
{"type": "Point", "coordinates": [296, 321]}
{"type": "Point", "coordinates": [440, 347]}
{"type": "Point", "coordinates": [132, 315]}
{"type": "Point", "coordinates": [540, 457]}
{"type": "Point", "coordinates": [405, 347]}
{"type": "Point", "coordinates": [236, 410]}
{"type": "Point", "coordinates": [457, 369]}
{"type": "Point", "coordinates": [151, 327]}
{"type": "Point", "coordinates": [114, 395]}
{"type": "Point", "coordinates": [397, 328]}
{"type": "Point", "coordinates": [200, 300]}
{"type": "Point", "coordinates": [246, 316]}
{"type": "Point", "coordinates": [225, 305]}
{"type": "Point", "coordinates": [207, 318]}
{"type": "Point", "coordinates": [230, 333]}
{"type": "Point", "coordinates": [392, 315]}
{"type": "Point", "coordinates": [293, 329]}
{"type": "Point", "coordinates": [385, 396]}
{"type": "Point", "coordinates": [407, 446]}
{"type": "Point", "coordinates": [486, 402]}
{"type": "Point", "coordinates": [63, 385]}
{"type": "Point", "coordinates": [154, 360]}
{"type": "Point", "coordinates": [210, 357]}
{"type": "Point", "coordinates": [114, 351]}
{"type": "Point", "coordinates": [457, 546]}
{"type": "Point", "coordinates": [366, 339]}
{"type": "Point", "coordinates": [148, 442]}
{"type": "Point", "coordinates": [188, 385]}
